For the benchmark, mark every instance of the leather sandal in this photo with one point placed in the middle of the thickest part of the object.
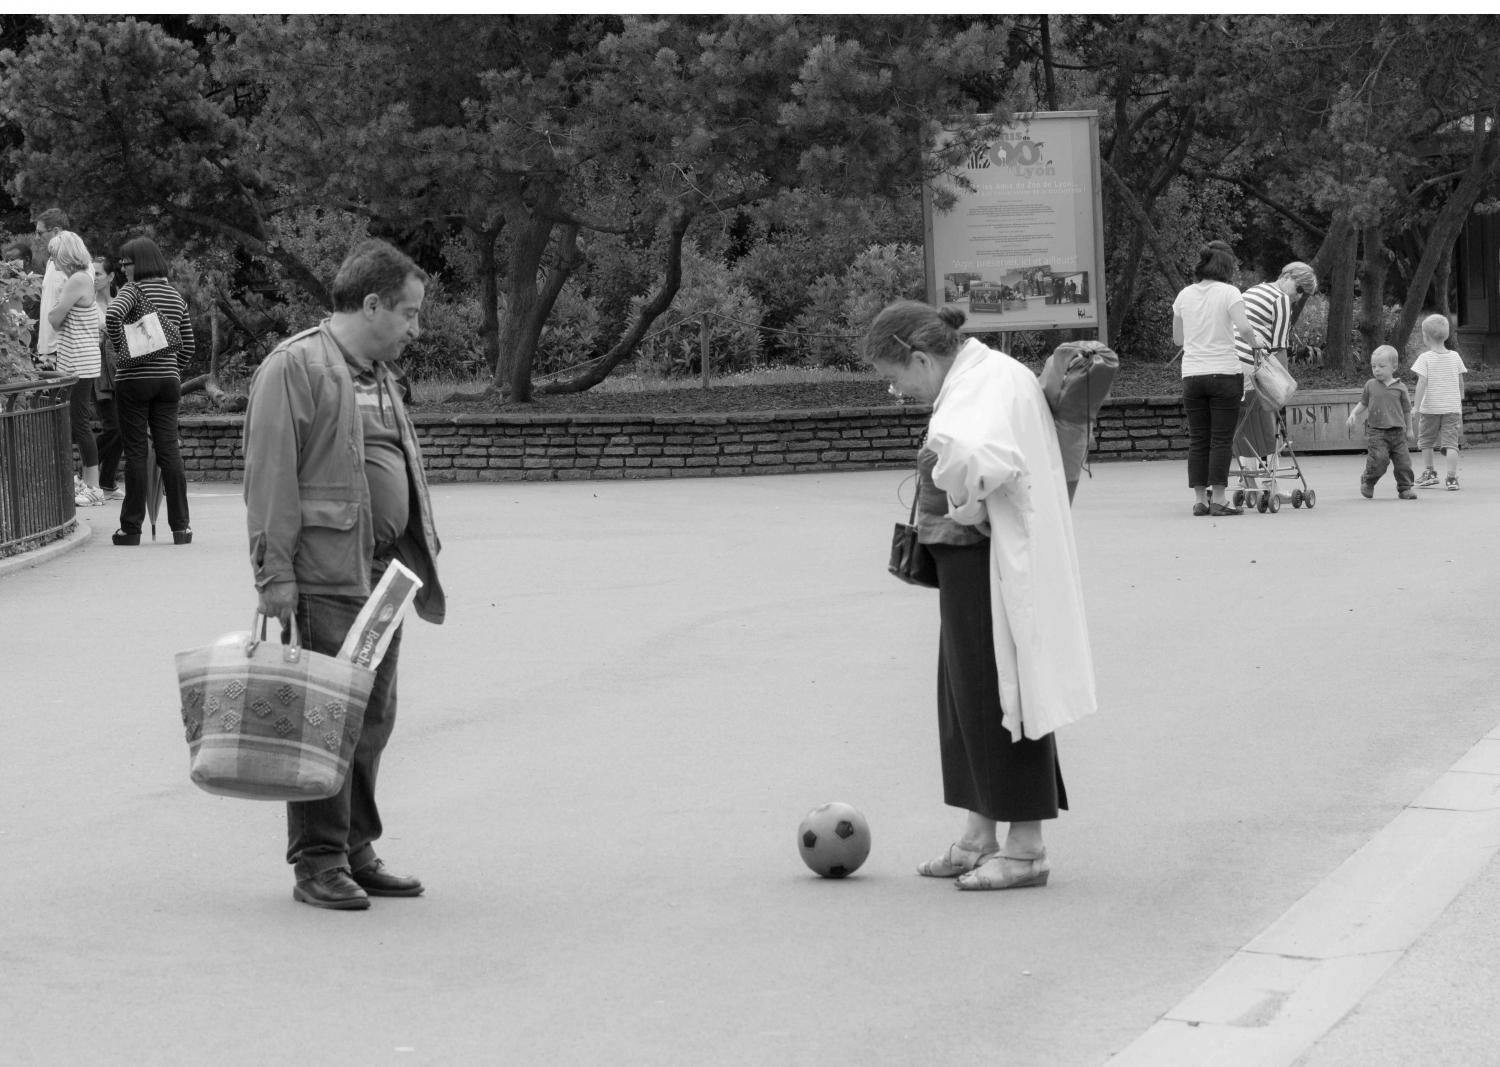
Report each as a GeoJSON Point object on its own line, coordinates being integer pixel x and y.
{"type": "Point", "coordinates": [956, 861]}
{"type": "Point", "coordinates": [992, 875]}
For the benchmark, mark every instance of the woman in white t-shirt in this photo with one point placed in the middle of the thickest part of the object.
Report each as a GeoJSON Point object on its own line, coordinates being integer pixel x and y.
{"type": "Point", "coordinates": [1205, 317]}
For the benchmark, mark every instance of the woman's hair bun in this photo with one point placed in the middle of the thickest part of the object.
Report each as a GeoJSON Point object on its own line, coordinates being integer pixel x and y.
{"type": "Point", "coordinates": [951, 317]}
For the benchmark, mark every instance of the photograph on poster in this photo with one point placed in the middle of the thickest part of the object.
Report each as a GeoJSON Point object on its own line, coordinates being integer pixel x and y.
{"type": "Point", "coordinates": [1021, 248]}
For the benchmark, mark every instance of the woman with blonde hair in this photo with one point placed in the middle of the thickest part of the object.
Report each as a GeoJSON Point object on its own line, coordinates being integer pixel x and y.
{"type": "Point", "coordinates": [1268, 306]}
{"type": "Point", "coordinates": [77, 323]}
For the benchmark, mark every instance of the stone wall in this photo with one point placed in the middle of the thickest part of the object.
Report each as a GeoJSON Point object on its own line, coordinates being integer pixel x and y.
{"type": "Point", "coordinates": [468, 448]}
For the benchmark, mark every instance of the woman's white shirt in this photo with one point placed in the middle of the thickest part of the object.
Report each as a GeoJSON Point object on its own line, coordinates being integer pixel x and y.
{"type": "Point", "coordinates": [1207, 330]}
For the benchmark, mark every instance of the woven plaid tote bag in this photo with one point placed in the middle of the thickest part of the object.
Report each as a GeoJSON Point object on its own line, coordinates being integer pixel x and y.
{"type": "Point", "coordinates": [267, 721]}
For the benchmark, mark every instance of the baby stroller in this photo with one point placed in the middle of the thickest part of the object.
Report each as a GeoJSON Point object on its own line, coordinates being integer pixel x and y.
{"type": "Point", "coordinates": [1265, 465]}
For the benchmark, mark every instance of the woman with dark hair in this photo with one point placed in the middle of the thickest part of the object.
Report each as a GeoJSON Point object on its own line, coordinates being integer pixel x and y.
{"type": "Point", "coordinates": [1013, 651]}
{"type": "Point", "coordinates": [1205, 318]}
{"type": "Point", "coordinates": [148, 386]}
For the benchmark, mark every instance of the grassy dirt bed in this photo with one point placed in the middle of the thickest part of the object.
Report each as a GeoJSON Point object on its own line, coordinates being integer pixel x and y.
{"type": "Point", "coordinates": [1134, 380]}
{"type": "Point", "coordinates": [746, 393]}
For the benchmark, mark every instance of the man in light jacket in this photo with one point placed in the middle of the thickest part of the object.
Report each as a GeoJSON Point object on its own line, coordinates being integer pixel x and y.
{"type": "Point", "coordinates": [334, 491]}
{"type": "Point", "coordinates": [49, 224]}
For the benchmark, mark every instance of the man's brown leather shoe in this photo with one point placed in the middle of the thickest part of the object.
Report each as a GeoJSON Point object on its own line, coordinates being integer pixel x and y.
{"type": "Point", "coordinates": [379, 882]}
{"type": "Point", "coordinates": [332, 888]}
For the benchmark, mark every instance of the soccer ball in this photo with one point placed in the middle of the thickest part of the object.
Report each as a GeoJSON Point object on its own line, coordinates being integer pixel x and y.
{"type": "Point", "coordinates": [834, 839]}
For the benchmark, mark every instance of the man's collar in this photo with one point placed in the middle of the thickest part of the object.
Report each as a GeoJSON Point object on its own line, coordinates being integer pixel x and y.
{"type": "Point", "coordinates": [361, 367]}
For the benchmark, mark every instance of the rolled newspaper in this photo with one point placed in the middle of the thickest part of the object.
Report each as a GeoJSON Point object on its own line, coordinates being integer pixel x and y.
{"type": "Point", "coordinates": [371, 633]}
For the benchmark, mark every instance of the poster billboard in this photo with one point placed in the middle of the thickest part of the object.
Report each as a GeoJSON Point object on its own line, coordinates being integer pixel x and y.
{"type": "Point", "coordinates": [1024, 248]}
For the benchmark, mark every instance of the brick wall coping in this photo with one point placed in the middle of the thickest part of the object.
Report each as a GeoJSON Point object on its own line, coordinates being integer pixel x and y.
{"type": "Point", "coordinates": [541, 446]}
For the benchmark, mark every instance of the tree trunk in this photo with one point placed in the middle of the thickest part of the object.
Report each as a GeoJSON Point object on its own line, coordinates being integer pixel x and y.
{"type": "Point", "coordinates": [1375, 264]}
{"type": "Point", "coordinates": [526, 318]}
{"type": "Point", "coordinates": [1049, 75]}
{"type": "Point", "coordinates": [209, 383]}
{"type": "Point", "coordinates": [1483, 162]}
{"type": "Point", "coordinates": [1341, 272]}
{"type": "Point", "coordinates": [1442, 278]}
{"type": "Point", "coordinates": [489, 295]}
{"type": "Point", "coordinates": [659, 302]}
{"type": "Point", "coordinates": [1147, 229]}
{"type": "Point", "coordinates": [530, 227]}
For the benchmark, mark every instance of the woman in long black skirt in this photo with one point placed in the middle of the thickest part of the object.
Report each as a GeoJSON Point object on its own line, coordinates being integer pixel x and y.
{"type": "Point", "coordinates": [992, 508]}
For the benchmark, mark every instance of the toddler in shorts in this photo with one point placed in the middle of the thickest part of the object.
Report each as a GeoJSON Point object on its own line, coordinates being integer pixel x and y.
{"type": "Point", "coordinates": [1439, 402]}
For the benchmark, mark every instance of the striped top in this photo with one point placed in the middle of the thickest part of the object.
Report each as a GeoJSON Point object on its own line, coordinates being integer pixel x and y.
{"type": "Point", "coordinates": [1270, 312]}
{"type": "Point", "coordinates": [78, 341]}
{"type": "Point", "coordinates": [127, 307]}
{"type": "Point", "coordinates": [1441, 368]}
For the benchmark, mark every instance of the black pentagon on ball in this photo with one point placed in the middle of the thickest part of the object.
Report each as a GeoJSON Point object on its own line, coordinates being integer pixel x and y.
{"type": "Point", "coordinates": [809, 839]}
{"type": "Point", "coordinates": [838, 872]}
{"type": "Point", "coordinates": [845, 829]}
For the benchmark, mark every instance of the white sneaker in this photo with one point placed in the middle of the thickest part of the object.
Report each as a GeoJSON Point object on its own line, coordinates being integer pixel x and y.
{"type": "Point", "coordinates": [113, 494]}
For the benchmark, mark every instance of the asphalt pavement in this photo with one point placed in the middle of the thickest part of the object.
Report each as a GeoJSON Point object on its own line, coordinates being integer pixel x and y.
{"type": "Point", "coordinates": [1281, 849]}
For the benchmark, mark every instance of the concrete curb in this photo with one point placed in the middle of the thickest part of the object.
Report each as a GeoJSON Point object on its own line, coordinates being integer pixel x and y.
{"type": "Point", "coordinates": [81, 534]}
{"type": "Point", "coordinates": [1281, 993]}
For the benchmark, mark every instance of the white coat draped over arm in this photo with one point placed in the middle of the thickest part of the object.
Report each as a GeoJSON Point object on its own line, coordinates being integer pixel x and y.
{"type": "Point", "coordinates": [998, 461]}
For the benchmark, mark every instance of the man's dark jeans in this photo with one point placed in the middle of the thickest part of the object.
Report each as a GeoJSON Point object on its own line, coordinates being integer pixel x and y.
{"type": "Point", "coordinates": [1212, 405]}
{"type": "Point", "coordinates": [341, 831]}
{"type": "Point", "coordinates": [1387, 447]}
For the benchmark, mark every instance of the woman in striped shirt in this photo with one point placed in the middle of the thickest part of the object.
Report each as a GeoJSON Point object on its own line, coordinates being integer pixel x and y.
{"type": "Point", "coordinates": [74, 318]}
{"type": "Point", "coordinates": [1268, 306]}
{"type": "Point", "coordinates": [148, 387]}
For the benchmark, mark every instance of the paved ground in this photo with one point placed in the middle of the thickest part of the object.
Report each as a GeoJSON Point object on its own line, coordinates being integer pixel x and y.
{"type": "Point", "coordinates": [603, 758]}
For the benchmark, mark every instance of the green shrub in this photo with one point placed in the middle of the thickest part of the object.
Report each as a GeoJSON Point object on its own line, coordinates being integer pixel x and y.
{"type": "Point", "coordinates": [1312, 327]}
{"type": "Point", "coordinates": [449, 344]}
{"type": "Point", "coordinates": [569, 335]}
{"type": "Point", "coordinates": [841, 309]}
{"type": "Point", "coordinates": [18, 288]}
{"type": "Point", "coordinates": [674, 343]}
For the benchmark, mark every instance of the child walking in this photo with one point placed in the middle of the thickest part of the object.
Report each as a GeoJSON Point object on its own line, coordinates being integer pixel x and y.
{"type": "Point", "coordinates": [1386, 407]}
{"type": "Point", "coordinates": [1440, 401]}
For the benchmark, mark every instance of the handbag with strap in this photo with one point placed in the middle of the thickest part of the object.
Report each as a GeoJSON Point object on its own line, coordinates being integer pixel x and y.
{"type": "Point", "coordinates": [1273, 380]}
{"type": "Point", "coordinates": [910, 559]}
{"type": "Point", "coordinates": [267, 721]}
{"type": "Point", "coordinates": [148, 333]}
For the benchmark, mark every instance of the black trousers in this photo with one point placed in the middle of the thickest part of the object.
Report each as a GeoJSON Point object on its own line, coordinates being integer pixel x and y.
{"type": "Point", "coordinates": [1212, 405]}
{"type": "Point", "coordinates": [984, 770]}
{"type": "Point", "coordinates": [149, 408]}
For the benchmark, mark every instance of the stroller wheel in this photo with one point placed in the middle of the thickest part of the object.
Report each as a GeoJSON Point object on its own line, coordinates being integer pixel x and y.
{"type": "Point", "coordinates": [1239, 498]}
{"type": "Point", "coordinates": [1296, 498]}
{"type": "Point", "coordinates": [1263, 504]}
{"type": "Point", "coordinates": [1274, 504]}
{"type": "Point", "coordinates": [1310, 498]}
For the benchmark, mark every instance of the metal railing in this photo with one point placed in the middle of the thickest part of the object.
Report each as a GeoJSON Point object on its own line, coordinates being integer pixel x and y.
{"type": "Point", "coordinates": [36, 464]}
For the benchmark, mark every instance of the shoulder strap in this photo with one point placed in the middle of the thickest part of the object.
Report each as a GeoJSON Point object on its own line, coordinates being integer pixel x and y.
{"type": "Point", "coordinates": [143, 299]}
